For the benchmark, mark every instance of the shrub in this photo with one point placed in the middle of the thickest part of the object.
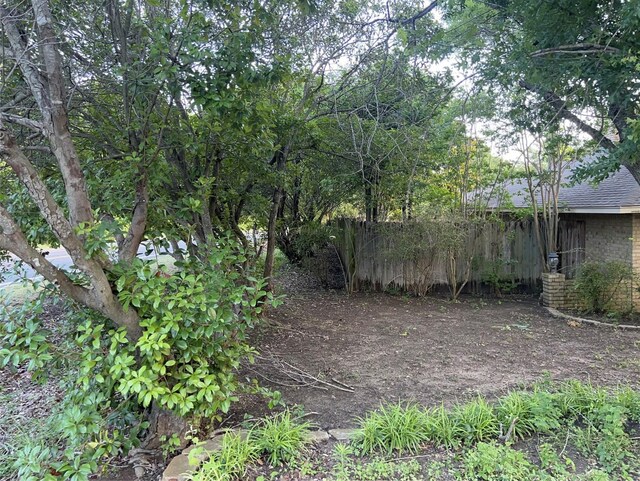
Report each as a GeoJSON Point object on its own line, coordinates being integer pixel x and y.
{"type": "Point", "coordinates": [195, 324]}
{"type": "Point", "coordinates": [396, 427]}
{"type": "Point", "coordinates": [280, 438]}
{"type": "Point", "coordinates": [598, 283]}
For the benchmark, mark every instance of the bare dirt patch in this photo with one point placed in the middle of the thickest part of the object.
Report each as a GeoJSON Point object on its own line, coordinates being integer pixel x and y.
{"type": "Point", "coordinates": [428, 350]}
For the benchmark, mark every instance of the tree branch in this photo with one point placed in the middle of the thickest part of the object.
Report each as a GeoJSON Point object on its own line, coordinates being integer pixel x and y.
{"type": "Point", "coordinates": [12, 239]}
{"type": "Point", "coordinates": [128, 249]}
{"type": "Point", "coordinates": [578, 48]}
{"type": "Point", "coordinates": [48, 91]}
{"type": "Point", "coordinates": [417, 16]}
{"type": "Point", "coordinates": [560, 107]}
{"type": "Point", "coordinates": [24, 122]}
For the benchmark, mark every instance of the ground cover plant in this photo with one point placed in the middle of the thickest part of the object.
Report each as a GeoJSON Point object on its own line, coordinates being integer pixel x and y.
{"type": "Point", "coordinates": [570, 431]}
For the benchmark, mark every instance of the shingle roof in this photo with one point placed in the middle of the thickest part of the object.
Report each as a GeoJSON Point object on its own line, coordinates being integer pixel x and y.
{"type": "Point", "coordinates": [618, 193]}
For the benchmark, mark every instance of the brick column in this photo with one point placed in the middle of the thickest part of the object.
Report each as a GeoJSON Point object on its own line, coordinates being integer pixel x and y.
{"type": "Point", "coordinates": [635, 259]}
{"type": "Point", "coordinates": [553, 287]}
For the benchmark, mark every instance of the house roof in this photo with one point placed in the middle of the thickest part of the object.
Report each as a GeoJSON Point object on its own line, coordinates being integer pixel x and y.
{"type": "Point", "coordinates": [617, 194]}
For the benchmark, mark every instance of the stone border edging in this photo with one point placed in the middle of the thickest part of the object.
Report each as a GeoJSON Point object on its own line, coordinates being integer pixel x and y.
{"type": "Point", "coordinates": [556, 313]}
{"type": "Point", "coordinates": [179, 468]}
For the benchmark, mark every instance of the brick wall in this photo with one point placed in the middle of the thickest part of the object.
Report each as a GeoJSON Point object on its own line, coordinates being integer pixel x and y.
{"type": "Point", "coordinates": [608, 237]}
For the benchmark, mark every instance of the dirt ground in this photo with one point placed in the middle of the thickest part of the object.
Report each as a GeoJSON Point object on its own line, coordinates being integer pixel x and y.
{"type": "Point", "coordinates": [429, 350]}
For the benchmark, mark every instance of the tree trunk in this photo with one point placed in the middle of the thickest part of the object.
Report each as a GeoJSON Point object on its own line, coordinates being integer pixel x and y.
{"type": "Point", "coordinates": [276, 202]}
{"type": "Point", "coordinates": [48, 90]}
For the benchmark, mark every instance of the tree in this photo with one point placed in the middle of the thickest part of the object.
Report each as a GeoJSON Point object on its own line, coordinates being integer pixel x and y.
{"type": "Point", "coordinates": [47, 88]}
{"type": "Point", "coordinates": [558, 61]}
{"type": "Point", "coordinates": [94, 123]}
{"type": "Point", "coordinates": [546, 163]}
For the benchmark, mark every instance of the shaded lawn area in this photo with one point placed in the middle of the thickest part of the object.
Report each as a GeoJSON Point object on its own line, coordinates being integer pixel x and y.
{"type": "Point", "coordinates": [428, 350]}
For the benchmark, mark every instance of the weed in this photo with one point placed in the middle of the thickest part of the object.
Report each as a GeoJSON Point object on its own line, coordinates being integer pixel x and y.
{"type": "Point", "coordinates": [556, 465]}
{"type": "Point", "coordinates": [377, 469]}
{"type": "Point", "coordinates": [434, 471]}
{"type": "Point", "coordinates": [630, 400]}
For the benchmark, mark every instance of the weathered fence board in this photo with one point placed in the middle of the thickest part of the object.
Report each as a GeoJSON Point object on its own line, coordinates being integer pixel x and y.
{"type": "Point", "coordinates": [384, 255]}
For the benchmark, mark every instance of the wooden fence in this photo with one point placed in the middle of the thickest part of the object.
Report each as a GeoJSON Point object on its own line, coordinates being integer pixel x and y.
{"type": "Point", "coordinates": [408, 257]}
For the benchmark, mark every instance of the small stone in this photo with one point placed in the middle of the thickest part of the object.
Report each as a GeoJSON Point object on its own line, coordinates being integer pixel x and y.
{"type": "Point", "coordinates": [342, 434]}
{"type": "Point", "coordinates": [139, 470]}
{"type": "Point", "coordinates": [213, 444]}
{"type": "Point", "coordinates": [317, 436]}
{"type": "Point", "coordinates": [178, 469]}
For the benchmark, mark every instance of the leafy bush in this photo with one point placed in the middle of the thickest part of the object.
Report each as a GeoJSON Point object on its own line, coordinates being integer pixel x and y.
{"type": "Point", "coordinates": [396, 427]}
{"type": "Point", "coordinates": [195, 324]}
{"type": "Point", "coordinates": [298, 244]}
{"type": "Point", "coordinates": [280, 438]}
{"type": "Point", "coordinates": [598, 283]}
{"type": "Point", "coordinates": [195, 329]}
{"type": "Point", "coordinates": [493, 462]}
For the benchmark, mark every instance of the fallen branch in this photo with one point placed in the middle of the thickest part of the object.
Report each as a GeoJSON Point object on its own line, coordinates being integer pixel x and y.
{"type": "Point", "coordinates": [297, 377]}
{"type": "Point", "coordinates": [505, 439]}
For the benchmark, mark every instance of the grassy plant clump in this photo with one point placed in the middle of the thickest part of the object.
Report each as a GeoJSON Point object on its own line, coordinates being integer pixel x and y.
{"type": "Point", "coordinates": [231, 462]}
{"type": "Point", "coordinates": [591, 420]}
{"type": "Point", "coordinates": [280, 438]}
{"type": "Point", "coordinates": [580, 400]}
{"type": "Point", "coordinates": [516, 409]}
{"type": "Point", "coordinates": [444, 429]}
{"type": "Point", "coordinates": [395, 427]}
{"type": "Point", "coordinates": [476, 421]}
{"type": "Point", "coordinates": [526, 413]}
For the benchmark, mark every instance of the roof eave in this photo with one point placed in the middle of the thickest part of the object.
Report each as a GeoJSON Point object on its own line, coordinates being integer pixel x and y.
{"type": "Point", "coordinates": [627, 209]}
